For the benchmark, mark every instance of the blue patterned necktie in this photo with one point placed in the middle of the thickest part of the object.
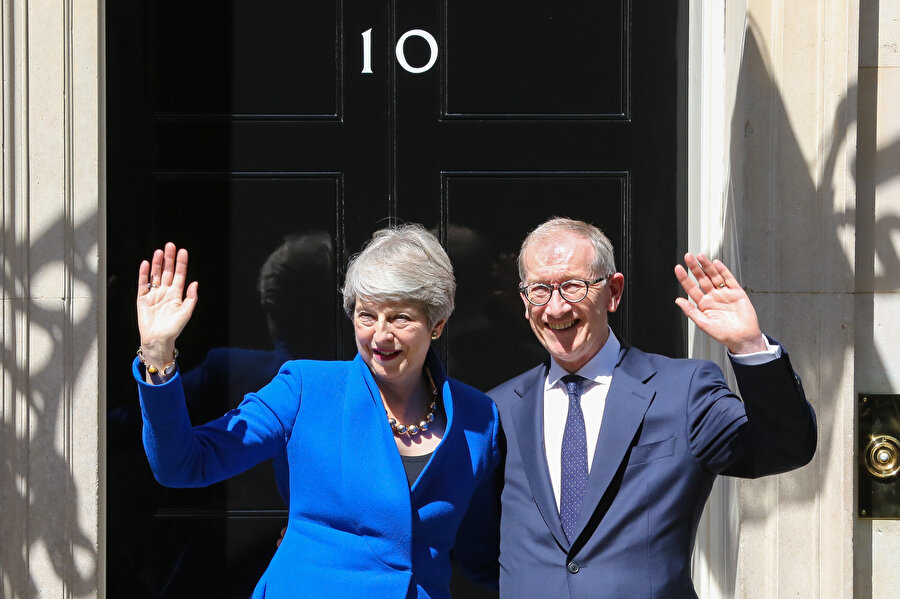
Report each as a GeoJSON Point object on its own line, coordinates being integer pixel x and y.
{"type": "Point", "coordinates": [574, 471]}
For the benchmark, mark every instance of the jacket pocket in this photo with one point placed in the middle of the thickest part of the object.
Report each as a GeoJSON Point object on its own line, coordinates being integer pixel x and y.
{"type": "Point", "coordinates": [650, 452]}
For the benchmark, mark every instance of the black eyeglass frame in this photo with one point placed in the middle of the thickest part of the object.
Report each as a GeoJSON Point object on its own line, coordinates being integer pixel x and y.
{"type": "Point", "coordinates": [525, 289]}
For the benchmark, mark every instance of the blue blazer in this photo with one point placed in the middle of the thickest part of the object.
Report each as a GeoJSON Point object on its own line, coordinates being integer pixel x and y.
{"type": "Point", "coordinates": [355, 527]}
{"type": "Point", "coordinates": [669, 427]}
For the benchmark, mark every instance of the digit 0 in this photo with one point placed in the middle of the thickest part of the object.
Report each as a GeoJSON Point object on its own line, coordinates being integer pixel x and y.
{"type": "Point", "coordinates": [400, 51]}
{"type": "Point", "coordinates": [432, 48]}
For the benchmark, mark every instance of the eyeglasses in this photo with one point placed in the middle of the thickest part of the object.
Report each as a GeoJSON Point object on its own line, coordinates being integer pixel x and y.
{"type": "Point", "coordinates": [573, 290]}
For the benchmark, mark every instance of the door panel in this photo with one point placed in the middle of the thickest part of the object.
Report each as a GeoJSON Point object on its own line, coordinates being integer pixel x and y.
{"type": "Point", "coordinates": [549, 60]}
{"type": "Point", "coordinates": [250, 134]}
{"type": "Point", "coordinates": [233, 59]}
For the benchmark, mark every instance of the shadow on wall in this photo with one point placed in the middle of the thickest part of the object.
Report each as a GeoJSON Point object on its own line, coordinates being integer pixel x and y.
{"type": "Point", "coordinates": [785, 152]}
{"type": "Point", "coordinates": [750, 150]}
{"type": "Point", "coordinates": [39, 507]}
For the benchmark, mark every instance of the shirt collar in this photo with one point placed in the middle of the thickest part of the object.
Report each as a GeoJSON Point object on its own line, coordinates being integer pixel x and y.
{"type": "Point", "coordinates": [598, 369]}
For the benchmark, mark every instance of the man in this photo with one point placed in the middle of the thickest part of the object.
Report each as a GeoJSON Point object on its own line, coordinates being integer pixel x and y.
{"type": "Point", "coordinates": [606, 474]}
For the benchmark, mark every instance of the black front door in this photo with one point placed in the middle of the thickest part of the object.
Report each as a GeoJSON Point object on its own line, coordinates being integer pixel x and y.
{"type": "Point", "coordinates": [271, 139]}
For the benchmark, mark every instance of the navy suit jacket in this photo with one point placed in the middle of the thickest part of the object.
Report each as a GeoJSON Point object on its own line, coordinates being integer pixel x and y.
{"type": "Point", "coordinates": [669, 427]}
{"type": "Point", "coordinates": [355, 527]}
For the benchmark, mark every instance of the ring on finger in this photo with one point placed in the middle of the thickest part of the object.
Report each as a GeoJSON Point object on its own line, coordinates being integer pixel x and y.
{"type": "Point", "coordinates": [720, 286]}
{"type": "Point", "coordinates": [151, 286]}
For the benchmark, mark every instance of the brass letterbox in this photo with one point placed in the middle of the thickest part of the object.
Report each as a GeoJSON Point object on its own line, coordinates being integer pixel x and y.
{"type": "Point", "coordinates": [878, 451]}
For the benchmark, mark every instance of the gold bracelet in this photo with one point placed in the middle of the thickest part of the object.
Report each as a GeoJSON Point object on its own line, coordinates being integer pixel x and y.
{"type": "Point", "coordinates": [151, 369]}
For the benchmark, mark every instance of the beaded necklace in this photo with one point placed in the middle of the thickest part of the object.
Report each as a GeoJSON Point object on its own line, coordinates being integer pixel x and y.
{"type": "Point", "coordinates": [411, 430]}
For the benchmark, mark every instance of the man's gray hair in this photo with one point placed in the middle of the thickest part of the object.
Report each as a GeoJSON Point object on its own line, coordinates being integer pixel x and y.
{"type": "Point", "coordinates": [403, 263]}
{"type": "Point", "coordinates": [604, 263]}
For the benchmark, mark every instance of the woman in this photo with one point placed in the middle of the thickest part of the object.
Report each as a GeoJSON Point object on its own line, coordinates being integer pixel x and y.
{"type": "Point", "coordinates": [385, 452]}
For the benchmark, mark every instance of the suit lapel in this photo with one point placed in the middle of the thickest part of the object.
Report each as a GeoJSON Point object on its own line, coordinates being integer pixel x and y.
{"type": "Point", "coordinates": [433, 466]}
{"type": "Point", "coordinates": [528, 419]}
{"type": "Point", "coordinates": [374, 480]}
{"type": "Point", "coordinates": [626, 403]}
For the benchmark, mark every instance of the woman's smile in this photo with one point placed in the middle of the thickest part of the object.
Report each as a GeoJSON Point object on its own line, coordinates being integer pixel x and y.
{"type": "Point", "coordinates": [385, 355]}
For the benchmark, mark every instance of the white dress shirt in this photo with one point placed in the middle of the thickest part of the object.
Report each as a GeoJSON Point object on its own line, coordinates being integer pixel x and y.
{"type": "Point", "coordinates": [598, 371]}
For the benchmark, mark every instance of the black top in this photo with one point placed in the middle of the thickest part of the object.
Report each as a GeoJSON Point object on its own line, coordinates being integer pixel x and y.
{"type": "Point", "coordinates": [414, 464]}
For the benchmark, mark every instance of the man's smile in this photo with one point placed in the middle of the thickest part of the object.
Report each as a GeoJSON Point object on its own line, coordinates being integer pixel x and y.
{"type": "Point", "coordinates": [561, 326]}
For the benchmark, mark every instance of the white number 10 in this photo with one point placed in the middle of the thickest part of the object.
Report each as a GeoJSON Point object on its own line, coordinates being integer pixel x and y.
{"type": "Point", "coordinates": [400, 52]}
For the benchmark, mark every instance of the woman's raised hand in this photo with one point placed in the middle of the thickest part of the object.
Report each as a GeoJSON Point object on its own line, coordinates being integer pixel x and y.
{"type": "Point", "coordinates": [163, 307]}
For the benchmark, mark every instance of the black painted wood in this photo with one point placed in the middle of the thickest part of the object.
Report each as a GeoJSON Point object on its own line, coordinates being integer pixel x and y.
{"type": "Point", "coordinates": [235, 126]}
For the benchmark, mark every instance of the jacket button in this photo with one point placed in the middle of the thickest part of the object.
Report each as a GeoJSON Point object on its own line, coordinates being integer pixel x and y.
{"type": "Point", "coordinates": [573, 567]}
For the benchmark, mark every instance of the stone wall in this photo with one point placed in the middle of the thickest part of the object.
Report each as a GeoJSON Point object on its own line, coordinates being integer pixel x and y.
{"type": "Point", "coordinates": [877, 282]}
{"type": "Point", "coordinates": [793, 133]}
{"type": "Point", "coordinates": [52, 300]}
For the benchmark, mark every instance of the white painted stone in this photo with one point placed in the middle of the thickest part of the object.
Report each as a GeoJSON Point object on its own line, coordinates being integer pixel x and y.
{"type": "Point", "coordinates": [880, 32]}
{"type": "Point", "coordinates": [866, 166]}
{"type": "Point", "coordinates": [798, 247]}
{"type": "Point", "coordinates": [808, 511]}
{"type": "Point", "coordinates": [886, 233]}
{"type": "Point", "coordinates": [796, 132]}
{"type": "Point", "coordinates": [48, 278]}
{"type": "Point", "coordinates": [877, 343]}
{"type": "Point", "coordinates": [888, 129]}
{"type": "Point", "coordinates": [885, 549]}
{"type": "Point", "coordinates": [50, 521]}
{"type": "Point", "coordinates": [46, 135]}
{"type": "Point", "coordinates": [868, 32]}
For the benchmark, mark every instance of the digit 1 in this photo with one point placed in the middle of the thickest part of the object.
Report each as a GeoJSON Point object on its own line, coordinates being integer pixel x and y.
{"type": "Point", "coordinates": [367, 51]}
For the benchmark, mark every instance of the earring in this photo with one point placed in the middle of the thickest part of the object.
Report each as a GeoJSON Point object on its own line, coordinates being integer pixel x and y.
{"type": "Point", "coordinates": [433, 336]}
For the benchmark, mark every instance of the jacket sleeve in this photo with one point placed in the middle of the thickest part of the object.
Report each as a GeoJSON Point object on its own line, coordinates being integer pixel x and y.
{"type": "Point", "coordinates": [477, 548]}
{"type": "Point", "coordinates": [772, 430]}
{"type": "Point", "coordinates": [781, 427]}
{"type": "Point", "coordinates": [184, 456]}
